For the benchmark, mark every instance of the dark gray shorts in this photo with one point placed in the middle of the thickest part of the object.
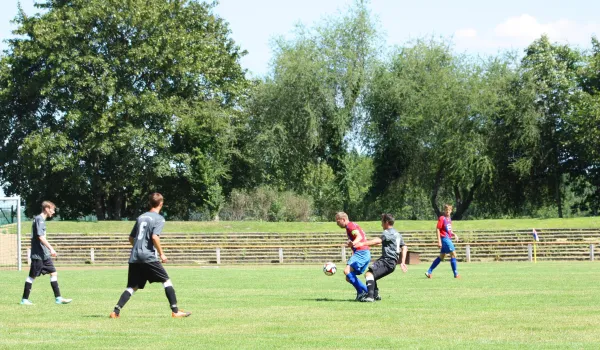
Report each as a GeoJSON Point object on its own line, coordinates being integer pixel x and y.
{"type": "Point", "coordinates": [41, 267]}
{"type": "Point", "coordinates": [140, 273]}
{"type": "Point", "coordinates": [382, 267]}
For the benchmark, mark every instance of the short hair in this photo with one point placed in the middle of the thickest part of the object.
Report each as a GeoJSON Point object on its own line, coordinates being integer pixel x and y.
{"type": "Point", "coordinates": [447, 206]}
{"type": "Point", "coordinates": [387, 218]}
{"type": "Point", "coordinates": [155, 199]}
{"type": "Point", "coordinates": [341, 215]}
{"type": "Point", "coordinates": [48, 204]}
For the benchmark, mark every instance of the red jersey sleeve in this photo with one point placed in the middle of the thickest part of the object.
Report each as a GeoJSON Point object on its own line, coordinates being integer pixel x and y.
{"type": "Point", "coordinates": [440, 223]}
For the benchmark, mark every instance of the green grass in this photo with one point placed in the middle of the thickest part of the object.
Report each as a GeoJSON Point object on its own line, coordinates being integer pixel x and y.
{"type": "Point", "coordinates": [550, 305]}
{"type": "Point", "coordinates": [253, 226]}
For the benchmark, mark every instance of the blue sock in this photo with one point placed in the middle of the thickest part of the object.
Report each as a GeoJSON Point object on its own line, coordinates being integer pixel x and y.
{"type": "Point", "coordinates": [454, 267]}
{"type": "Point", "coordinates": [435, 263]}
{"type": "Point", "coordinates": [358, 285]}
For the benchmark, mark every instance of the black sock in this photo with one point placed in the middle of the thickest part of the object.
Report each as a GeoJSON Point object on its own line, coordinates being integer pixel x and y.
{"type": "Point", "coordinates": [376, 292]}
{"type": "Point", "coordinates": [122, 301]}
{"type": "Point", "coordinates": [170, 292]}
{"type": "Point", "coordinates": [27, 290]}
{"type": "Point", "coordinates": [55, 288]}
{"type": "Point", "coordinates": [371, 287]}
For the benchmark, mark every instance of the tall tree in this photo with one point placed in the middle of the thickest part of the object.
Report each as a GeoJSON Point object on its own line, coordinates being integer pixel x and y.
{"type": "Point", "coordinates": [302, 115]}
{"type": "Point", "coordinates": [106, 100]}
{"type": "Point", "coordinates": [552, 71]}
{"type": "Point", "coordinates": [426, 125]}
{"type": "Point", "coordinates": [586, 131]}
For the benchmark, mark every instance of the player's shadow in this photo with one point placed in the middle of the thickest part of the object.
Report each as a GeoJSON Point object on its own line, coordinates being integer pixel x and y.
{"type": "Point", "coordinates": [331, 300]}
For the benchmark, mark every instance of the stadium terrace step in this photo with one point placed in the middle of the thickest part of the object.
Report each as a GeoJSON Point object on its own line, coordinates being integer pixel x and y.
{"type": "Point", "coordinates": [265, 248]}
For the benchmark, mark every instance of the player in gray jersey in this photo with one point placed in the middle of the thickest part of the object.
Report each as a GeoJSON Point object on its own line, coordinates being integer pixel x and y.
{"type": "Point", "coordinates": [392, 246]}
{"type": "Point", "coordinates": [144, 263]}
{"type": "Point", "coordinates": [41, 253]}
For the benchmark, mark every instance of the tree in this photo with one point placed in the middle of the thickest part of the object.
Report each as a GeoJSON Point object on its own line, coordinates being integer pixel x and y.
{"type": "Point", "coordinates": [106, 100]}
{"type": "Point", "coordinates": [586, 132]}
{"type": "Point", "coordinates": [302, 115]}
{"type": "Point", "coordinates": [427, 123]}
{"type": "Point", "coordinates": [552, 71]}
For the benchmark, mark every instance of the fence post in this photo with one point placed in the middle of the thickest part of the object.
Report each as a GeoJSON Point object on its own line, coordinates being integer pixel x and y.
{"type": "Point", "coordinates": [280, 255]}
{"type": "Point", "coordinates": [468, 247]}
{"type": "Point", "coordinates": [92, 255]}
{"type": "Point", "coordinates": [28, 256]}
{"type": "Point", "coordinates": [218, 256]}
{"type": "Point", "coordinates": [343, 253]}
{"type": "Point", "coordinates": [591, 252]}
{"type": "Point", "coordinates": [529, 252]}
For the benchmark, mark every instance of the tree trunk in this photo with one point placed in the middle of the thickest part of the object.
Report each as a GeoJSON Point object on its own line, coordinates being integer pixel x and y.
{"type": "Point", "coordinates": [99, 206]}
{"type": "Point", "coordinates": [462, 204]}
{"type": "Point", "coordinates": [434, 193]}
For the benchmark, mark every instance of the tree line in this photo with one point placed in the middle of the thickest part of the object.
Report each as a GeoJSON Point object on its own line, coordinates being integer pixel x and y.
{"type": "Point", "coordinates": [104, 101]}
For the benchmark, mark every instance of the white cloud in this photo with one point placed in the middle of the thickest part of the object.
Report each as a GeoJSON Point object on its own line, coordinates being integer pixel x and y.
{"type": "Point", "coordinates": [519, 31]}
{"type": "Point", "coordinates": [466, 33]}
{"type": "Point", "coordinates": [525, 28]}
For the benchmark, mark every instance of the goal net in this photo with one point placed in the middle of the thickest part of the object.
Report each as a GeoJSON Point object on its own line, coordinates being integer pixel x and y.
{"type": "Point", "coordinates": [10, 233]}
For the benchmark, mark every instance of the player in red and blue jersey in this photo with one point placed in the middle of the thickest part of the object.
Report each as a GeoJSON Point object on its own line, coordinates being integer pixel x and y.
{"type": "Point", "coordinates": [444, 235]}
{"type": "Point", "coordinates": [361, 256]}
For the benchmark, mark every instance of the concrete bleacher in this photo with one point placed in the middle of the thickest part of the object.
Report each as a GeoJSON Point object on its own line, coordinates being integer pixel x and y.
{"type": "Point", "coordinates": [295, 248]}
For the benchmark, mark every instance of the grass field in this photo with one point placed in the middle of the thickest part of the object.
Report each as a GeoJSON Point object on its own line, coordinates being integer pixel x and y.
{"type": "Point", "coordinates": [253, 226]}
{"type": "Point", "coordinates": [551, 305]}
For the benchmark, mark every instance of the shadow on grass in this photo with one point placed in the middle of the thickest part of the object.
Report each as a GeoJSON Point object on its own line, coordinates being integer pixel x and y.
{"type": "Point", "coordinates": [331, 300]}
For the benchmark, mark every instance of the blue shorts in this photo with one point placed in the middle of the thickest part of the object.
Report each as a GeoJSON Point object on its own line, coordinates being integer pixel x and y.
{"type": "Point", "coordinates": [360, 261]}
{"type": "Point", "coordinates": [447, 246]}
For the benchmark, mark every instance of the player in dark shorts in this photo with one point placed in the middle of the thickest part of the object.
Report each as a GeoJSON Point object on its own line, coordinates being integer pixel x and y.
{"type": "Point", "coordinates": [144, 265]}
{"type": "Point", "coordinates": [41, 253]}
{"type": "Point", "coordinates": [392, 245]}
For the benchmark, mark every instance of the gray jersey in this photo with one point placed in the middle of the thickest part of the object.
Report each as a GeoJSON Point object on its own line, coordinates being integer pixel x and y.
{"type": "Point", "coordinates": [146, 225]}
{"type": "Point", "coordinates": [38, 229]}
{"type": "Point", "coordinates": [391, 242]}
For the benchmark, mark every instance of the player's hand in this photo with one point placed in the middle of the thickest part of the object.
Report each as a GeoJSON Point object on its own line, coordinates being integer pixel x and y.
{"type": "Point", "coordinates": [404, 267]}
{"type": "Point", "coordinates": [163, 258]}
{"type": "Point", "coordinates": [456, 238]}
{"type": "Point", "coordinates": [357, 244]}
{"type": "Point", "coordinates": [349, 244]}
{"type": "Point", "coordinates": [440, 245]}
{"type": "Point", "coordinates": [53, 253]}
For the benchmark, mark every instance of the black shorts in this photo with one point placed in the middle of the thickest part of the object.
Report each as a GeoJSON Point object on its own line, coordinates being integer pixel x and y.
{"type": "Point", "coordinates": [41, 267]}
{"type": "Point", "coordinates": [140, 273]}
{"type": "Point", "coordinates": [382, 267]}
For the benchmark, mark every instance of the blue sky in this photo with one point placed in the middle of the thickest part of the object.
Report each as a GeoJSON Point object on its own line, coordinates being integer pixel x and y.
{"type": "Point", "coordinates": [477, 27]}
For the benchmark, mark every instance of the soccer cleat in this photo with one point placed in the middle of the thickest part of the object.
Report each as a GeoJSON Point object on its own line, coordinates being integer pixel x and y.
{"type": "Point", "coordinates": [427, 274]}
{"type": "Point", "coordinates": [457, 276]}
{"type": "Point", "coordinates": [360, 296]}
{"type": "Point", "coordinates": [61, 300]}
{"type": "Point", "coordinates": [368, 300]}
{"type": "Point", "coordinates": [114, 315]}
{"type": "Point", "coordinates": [378, 297]}
{"type": "Point", "coordinates": [180, 314]}
{"type": "Point", "coordinates": [26, 302]}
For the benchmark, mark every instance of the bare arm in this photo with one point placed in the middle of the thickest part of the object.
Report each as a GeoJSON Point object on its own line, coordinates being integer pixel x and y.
{"type": "Point", "coordinates": [47, 244]}
{"type": "Point", "coordinates": [374, 241]}
{"type": "Point", "coordinates": [131, 240]}
{"type": "Point", "coordinates": [156, 241]}
{"type": "Point", "coordinates": [439, 237]}
{"type": "Point", "coordinates": [403, 258]}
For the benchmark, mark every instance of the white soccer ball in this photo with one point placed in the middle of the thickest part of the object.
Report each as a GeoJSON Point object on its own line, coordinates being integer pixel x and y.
{"type": "Point", "coordinates": [329, 269]}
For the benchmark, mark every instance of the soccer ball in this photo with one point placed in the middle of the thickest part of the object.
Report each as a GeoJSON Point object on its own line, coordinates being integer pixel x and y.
{"type": "Point", "coordinates": [329, 269]}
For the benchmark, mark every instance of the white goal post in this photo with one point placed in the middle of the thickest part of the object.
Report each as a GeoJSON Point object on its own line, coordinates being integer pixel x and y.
{"type": "Point", "coordinates": [10, 233]}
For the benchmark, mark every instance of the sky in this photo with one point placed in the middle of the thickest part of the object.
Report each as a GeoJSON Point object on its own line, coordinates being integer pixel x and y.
{"type": "Point", "coordinates": [476, 27]}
